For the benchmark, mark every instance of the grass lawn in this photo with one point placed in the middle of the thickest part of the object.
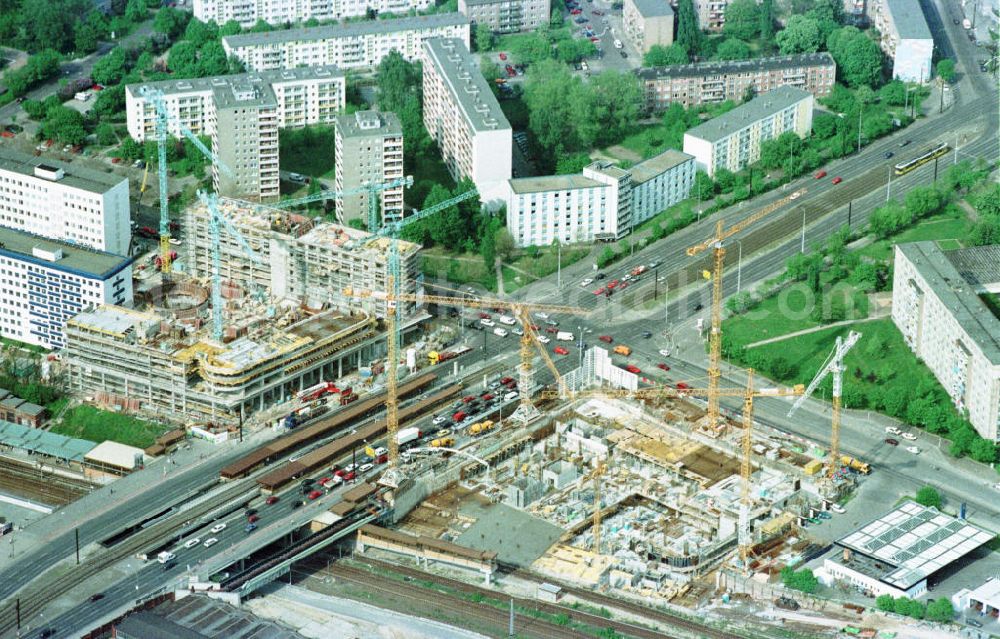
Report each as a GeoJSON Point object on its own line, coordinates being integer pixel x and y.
{"type": "Point", "coordinates": [538, 265]}
{"type": "Point", "coordinates": [460, 269]}
{"type": "Point", "coordinates": [650, 140]}
{"type": "Point", "coordinates": [951, 225]}
{"type": "Point", "coordinates": [87, 422]}
{"type": "Point", "coordinates": [469, 267]}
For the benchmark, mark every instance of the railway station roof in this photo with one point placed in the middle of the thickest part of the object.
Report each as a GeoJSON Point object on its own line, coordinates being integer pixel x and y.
{"type": "Point", "coordinates": [43, 442]}
{"type": "Point", "coordinates": [117, 455]}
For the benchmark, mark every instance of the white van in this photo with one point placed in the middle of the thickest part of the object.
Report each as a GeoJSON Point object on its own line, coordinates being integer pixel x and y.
{"type": "Point", "coordinates": [165, 556]}
{"type": "Point", "coordinates": [509, 396]}
{"type": "Point", "coordinates": [500, 332]}
{"type": "Point", "coordinates": [618, 44]}
{"type": "Point", "coordinates": [507, 319]}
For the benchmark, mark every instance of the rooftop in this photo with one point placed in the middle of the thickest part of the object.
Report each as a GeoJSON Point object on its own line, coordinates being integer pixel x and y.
{"type": "Point", "coordinates": [654, 166]}
{"type": "Point", "coordinates": [244, 93]}
{"type": "Point", "coordinates": [275, 76]}
{"type": "Point", "coordinates": [978, 265]}
{"type": "Point", "coordinates": [351, 29]}
{"type": "Point", "coordinates": [988, 592]}
{"type": "Point", "coordinates": [956, 294]}
{"type": "Point", "coordinates": [109, 453]}
{"type": "Point", "coordinates": [547, 183]}
{"type": "Point", "coordinates": [367, 123]}
{"type": "Point", "coordinates": [61, 256]}
{"type": "Point", "coordinates": [466, 84]}
{"type": "Point", "coordinates": [43, 442]}
{"type": "Point", "coordinates": [909, 19]}
{"type": "Point", "coordinates": [116, 320]}
{"type": "Point", "coordinates": [914, 541]}
{"type": "Point", "coordinates": [757, 65]}
{"type": "Point", "coordinates": [653, 8]}
{"type": "Point", "coordinates": [746, 114]}
{"type": "Point", "coordinates": [74, 176]}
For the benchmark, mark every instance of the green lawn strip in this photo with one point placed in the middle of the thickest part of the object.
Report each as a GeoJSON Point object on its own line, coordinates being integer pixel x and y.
{"type": "Point", "coordinates": [87, 422]}
{"type": "Point", "coordinates": [944, 226]}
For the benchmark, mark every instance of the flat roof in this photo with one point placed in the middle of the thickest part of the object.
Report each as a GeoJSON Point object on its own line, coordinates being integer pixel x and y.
{"type": "Point", "coordinates": [244, 93]}
{"type": "Point", "coordinates": [748, 113]}
{"type": "Point", "coordinates": [960, 297]}
{"type": "Point", "coordinates": [978, 265]}
{"type": "Point", "coordinates": [43, 442]}
{"type": "Point", "coordinates": [757, 65]}
{"type": "Point", "coordinates": [653, 8]}
{"type": "Point", "coordinates": [271, 76]}
{"type": "Point", "coordinates": [75, 176]}
{"type": "Point", "coordinates": [466, 83]}
{"type": "Point", "coordinates": [151, 626]}
{"type": "Point", "coordinates": [914, 541]}
{"type": "Point", "coordinates": [654, 166]}
{"type": "Point", "coordinates": [115, 320]}
{"type": "Point", "coordinates": [114, 454]}
{"type": "Point", "coordinates": [367, 123]}
{"type": "Point", "coordinates": [351, 29]}
{"type": "Point", "coordinates": [909, 19]}
{"type": "Point", "coordinates": [76, 259]}
{"type": "Point", "coordinates": [988, 593]}
{"type": "Point", "coordinates": [544, 183]}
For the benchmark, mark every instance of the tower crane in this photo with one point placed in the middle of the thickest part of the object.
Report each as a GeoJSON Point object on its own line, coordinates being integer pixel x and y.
{"type": "Point", "coordinates": [163, 118]}
{"type": "Point", "coordinates": [716, 243]}
{"type": "Point", "coordinates": [372, 189]}
{"type": "Point", "coordinates": [748, 394]}
{"type": "Point", "coordinates": [834, 365]}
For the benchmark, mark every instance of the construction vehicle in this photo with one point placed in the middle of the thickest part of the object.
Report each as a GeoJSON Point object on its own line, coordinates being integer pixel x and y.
{"type": "Point", "coordinates": [443, 442]}
{"type": "Point", "coordinates": [315, 392]}
{"type": "Point", "coordinates": [481, 428]}
{"type": "Point", "coordinates": [621, 349]}
{"type": "Point", "coordinates": [719, 258]}
{"type": "Point", "coordinates": [856, 464]}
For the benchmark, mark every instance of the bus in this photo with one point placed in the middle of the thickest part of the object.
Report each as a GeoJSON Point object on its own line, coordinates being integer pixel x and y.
{"type": "Point", "coordinates": [905, 167]}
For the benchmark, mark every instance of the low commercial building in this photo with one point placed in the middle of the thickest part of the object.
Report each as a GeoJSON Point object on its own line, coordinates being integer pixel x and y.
{"type": "Point", "coordinates": [896, 553]}
{"type": "Point", "coordinates": [604, 202]}
{"type": "Point", "coordinates": [711, 82]}
{"type": "Point", "coordinates": [463, 116]}
{"type": "Point", "coordinates": [732, 140]}
{"type": "Point", "coordinates": [905, 38]}
{"type": "Point", "coordinates": [506, 16]}
{"type": "Point", "coordinates": [648, 23]}
{"type": "Point", "coordinates": [307, 95]}
{"type": "Point", "coordinates": [279, 12]}
{"type": "Point", "coordinates": [64, 202]}
{"type": "Point", "coordinates": [15, 410]}
{"type": "Point", "coordinates": [937, 306]}
{"type": "Point", "coordinates": [46, 282]}
{"type": "Point", "coordinates": [368, 149]}
{"type": "Point", "coordinates": [353, 45]}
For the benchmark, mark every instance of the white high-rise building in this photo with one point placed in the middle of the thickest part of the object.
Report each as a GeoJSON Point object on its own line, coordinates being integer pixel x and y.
{"type": "Point", "coordinates": [368, 149]}
{"type": "Point", "coordinates": [249, 12]}
{"type": "Point", "coordinates": [64, 202]}
{"type": "Point", "coordinates": [462, 115]}
{"type": "Point", "coordinates": [905, 37]}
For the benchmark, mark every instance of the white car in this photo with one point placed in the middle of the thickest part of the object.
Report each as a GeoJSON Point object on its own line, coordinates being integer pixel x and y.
{"type": "Point", "coordinates": [541, 315]}
{"type": "Point", "coordinates": [509, 396]}
{"type": "Point", "coordinates": [486, 322]}
{"type": "Point", "coordinates": [517, 331]}
{"type": "Point", "coordinates": [587, 282]}
{"type": "Point", "coordinates": [440, 419]}
{"type": "Point", "coordinates": [191, 543]}
{"type": "Point", "coordinates": [217, 528]}
{"type": "Point", "coordinates": [507, 319]}
{"type": "Point", "coordinates": [892, 430]}
{"type": "Point", "coordinates": [795, 196]}
{"type": "Point", "coordinates": [381, 450]}
{"type": "Point", "coordinates": [837, 508]}
{"type": "Point", "coordinates": [996, 486]}
{"type": "Point", "coordinates": [500, 332]}
{"type": "Point", "coordinates": [544, 339]}
{"type": "Point", "coordinates": [211, 541]}
{"type": "Point", "coordinates": [909, 436]}
{"type": "Point", "coordinates": [665, 352]}
{"type": "Point", "coordinates": [913, 449]}
{"type": "Point", "coordinates": [364, 468]}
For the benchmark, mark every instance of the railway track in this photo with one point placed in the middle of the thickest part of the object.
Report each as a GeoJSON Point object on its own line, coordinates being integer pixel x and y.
{"type": "Point", "coordinates": [28, 481]}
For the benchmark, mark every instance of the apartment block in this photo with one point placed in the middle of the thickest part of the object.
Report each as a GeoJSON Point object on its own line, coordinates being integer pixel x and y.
{"type": "Point", "coordinates": [603, 203]}
{"type": "Point", "coordinates": [905, 38]}
{"type": "Point", "coordinates": [355, 45]}
{"type": "Point", "coordinates": [732, 140]}
{"type": "Point", "coordinates": [279, 12]}
{"type": "Point", "coordinates": [300, 259]}
{"type": "Point", "coordinates": [307, 95]}
{"type": "Point", "coordinates": [246, 141]}
{"type": "Point", "coordinates": [464, 118]}
{"type": "Point", "coordinates": [937, 306]}
{"type": "Point", "coordinates": [506, 16]}
{"type": "Point", "coordinates": [64, 202]}
{"type": "Point", "coordinates": [711, 13]}
{"type": "Point", "coordinates": [648, 23]}
{"type": "Point", "coordinates": [368, 149]}
{"type": "Point", "coordinates": [45, 282]}
{"type": "Point", "coordinates": [712, 82]}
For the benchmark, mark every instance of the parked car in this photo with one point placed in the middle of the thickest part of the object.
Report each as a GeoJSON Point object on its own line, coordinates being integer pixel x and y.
{"type": "Point", "coordinates": [819, 175]}
{"type": "Point", "coordinates": [544, 339]}
{"type": "Point", "coordinates": [909, 436]}
{"type": "Point", "coordinates": [663, 367]}
{"type": "Point", "coordinates": [316, 494]}
{"type": "Point", "coordinates": [682, 386]}
{"type": "Point", "coordinates": [632, 368]}
{"type": "Point", "coordinates": [607, 339]}
{"type": "Point", "coordinates": [891, 441]}
{"type": "Point", "coordinates": [913, 449]}
{"type": "Point", "coordinates": [559, 350]}
{"type": "Point", "coordinates": [600, 291]}
{"type": "Point", "coordinates": [503, 56]}
{"type": "Point", "coordinates": [837, 508]}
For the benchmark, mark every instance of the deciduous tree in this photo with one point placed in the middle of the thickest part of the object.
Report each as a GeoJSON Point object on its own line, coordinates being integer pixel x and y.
{"type": "Point", "coordinates": [946, 69]}
{"type": "Point", "coordinates": [928, 496]}
{"type": "Point", "coordinates": [742, 19]}
{"type": "Point", "coordinates": [661, 56]}
{"type": "Point", "coordinates": [688, 34]}
{"type": "Point", "coordinates": [800, 35]}
{"type": "Point", "coordinates": [733, 49]}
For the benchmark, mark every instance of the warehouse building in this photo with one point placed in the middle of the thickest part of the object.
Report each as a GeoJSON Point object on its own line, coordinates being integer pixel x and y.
{"type": "Point", "coordinates": [280, 12]}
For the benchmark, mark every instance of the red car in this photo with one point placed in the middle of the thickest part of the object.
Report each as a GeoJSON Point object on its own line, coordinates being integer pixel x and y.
{"type": "Point", "coordinates": [503, 56]}
{"type": "Point", "coordinates": [623, 286]}
{"type": "Point", "coordinates": [819, 175]}
{"type": "Point", "coordinates": [487, 397]}
{"type": "Point", "coordinates": [575, 12]}
{"type": "Point", "coordinates": [273, 499]}
{"type": "Point", "coordinates": [316, 494]}
{"type": "Point", "coordinates": [632, 368]}
{"type": "Point", "coordinates": [381, 459]}
{"type": "Point", "coordinates": [252, 518]}
{"type": "Point", "coordinates": [350, 476]}
{"type": "Point", "coordinates": [340, 472]}
{"type": "Point", "coordinates": [484, 316]}
{"type": "Point", "coordinates": [466, 400]}
{"type": "Point", "coordinates": [506, 380]}
{"type": "Point", "coordinates": [559, 350]}
{"type": "Point", "coordinates": [6, 134]}
{"type": "Point", "coordinates": [116, 160]}
{"type": "Point", "coordinates": [837, 180]}
{"type": "Point", "coordinates": [97, 87]}
{"type": "Point", "coordinates": [607, 339]}
{"type": "Point", "coordinates": [682, 386]}
{"type": "Point", "coordinates": [663, 367]}
{"type": "Point", "coordinates": [612, 284]}
{"type": "Point", "coordinates": [600, 291]}
{"type": "Point", "coordinates": [595, 40]}
{"type": "Point", "coordinates": [535, 327]}
{"type": "Point", "coordinates": [551, 329]}
{"type": "Point", "coordinates": [510, 71]}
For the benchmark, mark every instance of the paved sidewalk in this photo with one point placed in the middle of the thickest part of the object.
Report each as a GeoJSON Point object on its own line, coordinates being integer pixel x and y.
{"type": "Point", "coordinates": [816, 329]}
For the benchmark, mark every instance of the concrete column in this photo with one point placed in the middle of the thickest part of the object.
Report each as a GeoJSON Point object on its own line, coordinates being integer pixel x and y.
{"type": "Point", "coordinates": [340, 367]}
{"type": "Point", "coordinates": [487, 578]}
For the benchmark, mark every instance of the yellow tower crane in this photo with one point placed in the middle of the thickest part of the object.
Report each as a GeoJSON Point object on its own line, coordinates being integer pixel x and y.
{"type": "Point", "coordinates": [526, 411]}
{"type": "Point", "coordinates": [719, 254]}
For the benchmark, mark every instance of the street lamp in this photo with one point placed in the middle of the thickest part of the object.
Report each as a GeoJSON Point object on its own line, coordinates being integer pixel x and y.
{"type": "Point", "coordinates": [888, 185]}
{"type": "Point", "coordinates": [739, 265]}
{"type": "Point", "coordinates": [803, 249]}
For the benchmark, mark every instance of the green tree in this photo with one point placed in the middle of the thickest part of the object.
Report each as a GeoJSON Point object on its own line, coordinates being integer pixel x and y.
{"type": "Point", "coordinates": [860, 63]}
{"type": "Point", "coordinates": [940, 610]}
{"type": "Point", "coordinates": [802, 580]}
{"type": "Point", "coordinates": [572, 163]}
{"type": "Point", "coordinates": [136, 11]}
{"type": "Point", "coordinates": [183, 59]}
{"type": "Point", "coordinates": [111, 68]}
{"type": "Point", "coordinates": [800, 35]}
{"type": "Point", "coordinates": [704, 187]}
{"type": "Point", "coordinates": [64, 125]}
{"type": "Point", "coordinates": [485, 40]}
{"type": "Point", "coordinates": [885, 603]}
{"type": "Point", "coordinates": [983, 451]}
{"type": "Point", "coordinates": [105, 134]}
{"type": "Point", "coordinates": [39, 67]}
{"type": "Point", "coordinates": [733, 49]}
{"type": "Point", "coordinates": [198, 33]}
{"type": "Point", "coordinates": [922, 201]}
{"type": "Point", "coordinates": [130, 149]}
{"type": "Point", "coordinates": [929, 496]}
{"type": "Point", "coordinates": [575, 49]}
{"type": "Point", "coordinates": [612, 100]}
{"type": "Point", "coordinates": [828, 15]}
{"type": "Point", "coordinates": [212, 60]}
{"type": "Point", "coordinates": [661, 56]}
{"type": "Point", "coordinates": [988, 202]}
{"type": "Point", "coordinates": [110, 102]}
{"type": "Point", "coordinates": [171, 22]}
{"type": "Point", "coordinates": [261, 26]}
{"type": "Point", "coordinates": [231, 27]}
{"type": "Point", "coordinates": [766, 28]}
{"type": "Point", "coordinates": [946, 69]}
{"type": "Point", "coordinates": [688, 35]}
{"type": "Point", "coordinates": [504, 244]}
{"type": "Point", "coordinates": [742, 19]}
{"type": "Point", "coordinates": [532, 48]}
{"type": "Point", "coordinates": [555, 100]}
{"type": "Point", "coordinates": [86, 38]}
{"type": "Point", "coordinates": [893, 93]}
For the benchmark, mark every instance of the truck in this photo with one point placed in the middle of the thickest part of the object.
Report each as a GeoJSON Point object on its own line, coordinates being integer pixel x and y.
{"type": "Point", "coordinates": [481, 427]}
{"type": "Point", "coordinates": [855, 464]}
{"type": "Point", "coordinates": [315, 392]}
{"type": "Point", "coordinates": [165, 556]}
{"type": "Point", "coordinates": [637, 271]}
{"type": "Point", "coordinates": [786, 603]}
{"type": "Point", "coordinates": [407, 436]}
{"type": "Point", "coordinates": [443, 442]}
{"type": "Point", "coordinates": [564, 336]}
{"type": "Point", "coordinates": [621, 349]}
{"type": "Point", "coordinates": [435, 357]}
